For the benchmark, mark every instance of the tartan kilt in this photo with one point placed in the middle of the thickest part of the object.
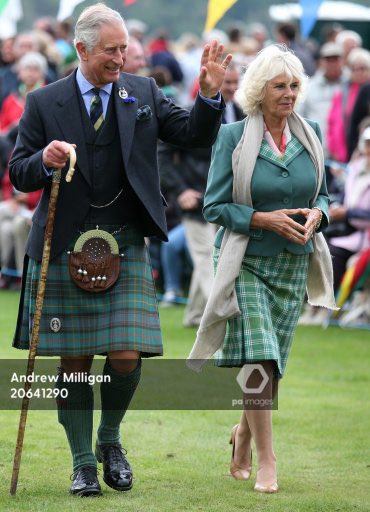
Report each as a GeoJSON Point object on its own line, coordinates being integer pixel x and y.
{"type": "Point", "coordinates": [270, 292]}
{"type": "Point", "coordinates": [125, 317]}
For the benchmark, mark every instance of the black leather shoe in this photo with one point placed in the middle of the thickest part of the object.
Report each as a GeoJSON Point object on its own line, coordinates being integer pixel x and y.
{"type": "Point", "coordinates": [85, 482]}
{"type": "Point", "coordinates": [117, 471]}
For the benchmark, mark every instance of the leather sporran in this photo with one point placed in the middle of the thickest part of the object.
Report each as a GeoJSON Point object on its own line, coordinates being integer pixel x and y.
{"type": "Point", "coordinates": [94, 263]}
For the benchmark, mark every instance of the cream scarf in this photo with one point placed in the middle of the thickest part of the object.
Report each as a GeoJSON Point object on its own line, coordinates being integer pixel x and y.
{"type": "Point", "coordinates": [222, 304]}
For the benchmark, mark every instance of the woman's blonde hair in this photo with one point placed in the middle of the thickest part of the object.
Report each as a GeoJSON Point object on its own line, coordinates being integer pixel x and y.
{"type": "Point", "coordinates": [270, 62]}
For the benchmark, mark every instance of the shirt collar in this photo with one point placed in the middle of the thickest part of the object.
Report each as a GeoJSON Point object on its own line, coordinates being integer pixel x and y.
{"type": "Point", "coordinates": [284, 142]}
{"type": "Point", "coordinates": [85, 86]}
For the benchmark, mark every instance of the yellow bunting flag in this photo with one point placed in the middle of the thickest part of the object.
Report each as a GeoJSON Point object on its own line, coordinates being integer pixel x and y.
{"type": "Point", "coordinates": [216, 10]}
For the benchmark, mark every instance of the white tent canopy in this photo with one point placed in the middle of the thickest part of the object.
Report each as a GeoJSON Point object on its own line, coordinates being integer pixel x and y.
{"type": "Point", "coordinates": [345, 11]}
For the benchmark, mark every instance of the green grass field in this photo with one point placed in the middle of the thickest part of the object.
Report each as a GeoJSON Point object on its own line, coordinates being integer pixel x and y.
{"type": "Point", "coordinates": [180, 458]}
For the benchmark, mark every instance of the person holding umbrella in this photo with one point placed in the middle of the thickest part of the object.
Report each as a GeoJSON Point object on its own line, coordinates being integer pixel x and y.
{"type": "Point", "coordinates": [99, 296]}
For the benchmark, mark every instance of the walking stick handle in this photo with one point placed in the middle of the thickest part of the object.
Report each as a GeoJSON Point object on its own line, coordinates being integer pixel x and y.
{"type": "Point", "coordinates": [72, 163]}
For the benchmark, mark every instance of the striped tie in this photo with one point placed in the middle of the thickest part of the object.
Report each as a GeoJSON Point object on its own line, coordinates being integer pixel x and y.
{"type": "Point", "coordinates": [96, 109]}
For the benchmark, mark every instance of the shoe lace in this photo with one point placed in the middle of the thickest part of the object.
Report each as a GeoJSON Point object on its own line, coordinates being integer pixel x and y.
{"type": "Point", "coordinates": [117, 455]}
{"type": "Point", "coordinates": [88, 473]}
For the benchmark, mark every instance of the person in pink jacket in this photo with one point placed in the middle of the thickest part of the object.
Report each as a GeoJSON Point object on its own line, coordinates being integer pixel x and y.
{"type": "Point", "coordinates": [343, 102]}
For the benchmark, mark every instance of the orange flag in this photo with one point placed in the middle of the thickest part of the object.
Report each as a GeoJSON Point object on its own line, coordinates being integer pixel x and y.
{"type": "Point", "coordinates": [216, 10]}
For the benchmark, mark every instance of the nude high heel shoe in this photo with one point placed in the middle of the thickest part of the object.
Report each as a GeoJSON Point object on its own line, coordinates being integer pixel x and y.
{"type": "Point", "coordinates": [236, 471]}
{"type": "Point", "coordinates": [268, 489]}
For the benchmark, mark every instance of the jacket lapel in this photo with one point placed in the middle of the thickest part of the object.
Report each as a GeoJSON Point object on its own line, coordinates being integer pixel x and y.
{"type": "Point", "coordinates": [126, 115]}
{"type": "Point", "coordinates": [67, 116]}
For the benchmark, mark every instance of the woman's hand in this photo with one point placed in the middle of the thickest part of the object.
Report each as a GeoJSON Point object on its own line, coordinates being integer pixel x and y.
{"type": "Point", "coordinates": [281, 222]}
{"type": "Point", "coordinates": [313, 216]}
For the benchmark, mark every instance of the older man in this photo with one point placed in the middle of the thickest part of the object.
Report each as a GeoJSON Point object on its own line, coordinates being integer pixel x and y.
{"type": "Point", "coordinates": [115, 120]}
{"type": "Point", "coordinates": [135, 57]}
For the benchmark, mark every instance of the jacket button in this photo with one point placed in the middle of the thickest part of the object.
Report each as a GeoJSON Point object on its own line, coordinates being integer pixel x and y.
{"type": "Point", "coordinates": [286, 200]}
{"type": "Point", "coordinates": [285, 174]}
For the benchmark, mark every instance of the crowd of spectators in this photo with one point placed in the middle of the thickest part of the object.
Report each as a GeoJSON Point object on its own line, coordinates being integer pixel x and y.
{"type": "Point", "coordinates": [338, 98]}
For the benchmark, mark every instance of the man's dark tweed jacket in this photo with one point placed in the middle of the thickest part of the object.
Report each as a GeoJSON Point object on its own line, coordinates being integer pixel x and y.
{"type": "Point", "coordinates": [53, 113]}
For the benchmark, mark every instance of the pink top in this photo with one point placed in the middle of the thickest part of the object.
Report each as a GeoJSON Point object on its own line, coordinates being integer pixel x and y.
{"type": "Point", "coordinates": [337, 125]}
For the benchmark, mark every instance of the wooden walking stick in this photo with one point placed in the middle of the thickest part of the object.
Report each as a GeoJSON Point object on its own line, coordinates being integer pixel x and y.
{"type": "Point", "coordinates": [38, 311]}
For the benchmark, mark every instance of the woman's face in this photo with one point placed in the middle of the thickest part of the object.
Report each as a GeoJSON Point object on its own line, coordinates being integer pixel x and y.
{"type": "Point", "coordinates": [30, 75]}
{"type": "Point", "coordinates": [360, 72]}
{"type": "Point", "coordinates": [280, 97]}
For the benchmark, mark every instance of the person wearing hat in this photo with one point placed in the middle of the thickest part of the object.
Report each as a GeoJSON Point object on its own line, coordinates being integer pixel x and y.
{"type": "Point", "coordinates": [322, 86]}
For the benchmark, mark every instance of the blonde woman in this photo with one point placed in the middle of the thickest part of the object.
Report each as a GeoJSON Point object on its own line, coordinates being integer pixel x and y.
{"type": "Point", "coordinates": [267, 191]}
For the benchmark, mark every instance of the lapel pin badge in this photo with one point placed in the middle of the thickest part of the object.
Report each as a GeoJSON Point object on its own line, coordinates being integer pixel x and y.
{"type": "Point", "coordinates": [122, 93]}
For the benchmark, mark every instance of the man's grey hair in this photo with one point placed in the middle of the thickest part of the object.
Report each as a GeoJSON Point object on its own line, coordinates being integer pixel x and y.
{"type": "Point", "coordinates": [90, 21]}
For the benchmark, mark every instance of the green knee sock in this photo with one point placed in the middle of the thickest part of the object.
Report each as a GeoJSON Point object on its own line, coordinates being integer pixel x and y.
{"type": "Point", "coordinates": [75, 413]}
{"type": "Point", "coordinates": [116, 396]}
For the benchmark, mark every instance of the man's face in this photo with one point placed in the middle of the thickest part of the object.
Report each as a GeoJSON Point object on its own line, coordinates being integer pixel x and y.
{"type": "Point", "coordinates": [135, 59]}
{"type": "Point", "coordinates": [7, 50]}
{"type": "Point", "coordinates": [332, 67]}
{"type": "Point", "coordinates": [24, 43]}
{"type": "Point", "coordinates": [103, 64]}
{"type": "Point", "coordinates": [230, 84]}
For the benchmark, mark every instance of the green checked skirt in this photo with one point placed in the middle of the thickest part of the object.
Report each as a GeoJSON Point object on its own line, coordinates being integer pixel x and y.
{"type": "Point", "coordinates": [75, 322]}
{"type": "Point", "coordinates": [270, 292]}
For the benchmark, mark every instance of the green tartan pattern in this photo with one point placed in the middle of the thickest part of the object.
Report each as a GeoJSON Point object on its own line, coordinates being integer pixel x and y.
{"type": "Point", "coordinates": [270, 292]}
{"type": "Point", "coordinates": [122, 318]}
{"type": "Point", "coordinates": [293, 147]}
